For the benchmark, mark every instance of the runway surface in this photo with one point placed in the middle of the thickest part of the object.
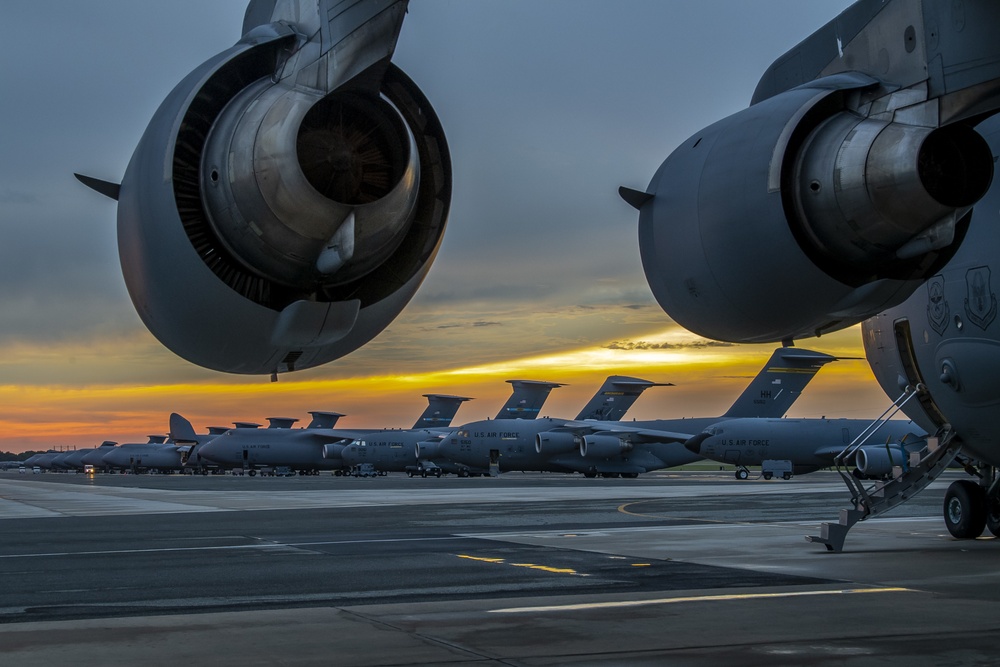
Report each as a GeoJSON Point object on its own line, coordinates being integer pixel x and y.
{"type": "Point", "coordinates": [686, 568]}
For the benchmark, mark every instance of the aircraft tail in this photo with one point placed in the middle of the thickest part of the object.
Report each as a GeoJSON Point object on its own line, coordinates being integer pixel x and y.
{"type": "Point", "coordinates": [181, 429]}
{"type": "Point", "coordinates": [324, 419]}
{"type": "Point", "coordinates": [526, 399]}
{"type": "Point", "coordinates": [441, 409]}
{"type": "Point", "coordinates": [615, 397]}
{"type": "Point", "coordinates": [281, 422]}
{"type": "Point", "coordinates": [779, 383]}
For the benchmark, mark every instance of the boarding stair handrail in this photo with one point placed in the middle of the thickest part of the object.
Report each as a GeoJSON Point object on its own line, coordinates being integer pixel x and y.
{"type": "Point", "coordinates": [923, 468]}
{"type": "Point", "coordinates": [877, 424]}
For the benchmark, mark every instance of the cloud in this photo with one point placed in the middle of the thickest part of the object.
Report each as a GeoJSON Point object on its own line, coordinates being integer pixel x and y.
{"type": "Point", "coordinates": [629, 345]}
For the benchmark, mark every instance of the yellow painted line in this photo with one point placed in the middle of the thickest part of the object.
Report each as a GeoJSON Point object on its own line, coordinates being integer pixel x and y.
{"type": "Point", "coordinates": [640, 564]}
{"type": "Point", "coordinates": [479, 558]}
{"type": "Point", "coordinates": [700, 598]}
{"type": "Point", "coordinates": [545, 568]}
{"type": "Point", "coordinates": [530, 566]}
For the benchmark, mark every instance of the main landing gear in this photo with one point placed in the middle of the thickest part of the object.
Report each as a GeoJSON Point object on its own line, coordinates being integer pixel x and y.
{"type": "Point", "coordinates": [971, 506]}
{"type": "Point", "coordinates": [742, 473]}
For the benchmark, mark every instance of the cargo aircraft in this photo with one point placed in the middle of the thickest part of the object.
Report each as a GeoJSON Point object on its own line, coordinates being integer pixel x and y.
{"type": "Point", "coordinates": [611, 448]}
{"type": "Point", "coordinates": [417, 452]}
{"type": "Point", "coordinates": [861, 176]}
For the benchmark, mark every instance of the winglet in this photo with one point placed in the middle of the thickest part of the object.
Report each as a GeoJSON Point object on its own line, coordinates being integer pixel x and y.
{"type": "Point", "coordinates": [634, 198]}
{"type": "Point", "coordinates": [106, 188]}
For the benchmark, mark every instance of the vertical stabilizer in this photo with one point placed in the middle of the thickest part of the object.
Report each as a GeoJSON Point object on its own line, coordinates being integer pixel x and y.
{"type": "Point", "coordinates": [441, 409]}
{"type": "Point", "coordinates": [322, 419]}
{"type": "Point", "coordinates": [779, 383]}
{"type": "Point", "coordinates": [526, 400]}
{"type": "Point", "coordinates": [615, 397]}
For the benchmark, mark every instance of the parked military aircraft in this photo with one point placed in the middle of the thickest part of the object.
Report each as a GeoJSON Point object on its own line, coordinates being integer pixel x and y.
{"type": "Point", "coordinates": [233, 211]}
{"type": "Point", "coordinates": [414, 451]}
{"type": "Point", "coordinates": [810, 444]}
{"type": "Point", "coordinates": [861, 175]}
{"type": "Point", "coordinates": [156, 454]}
{"type": "Point", "coordinates": [304, 450]}
{"type": "Point", "coordinates": [95, 457]}
{"type": "Point", "coordinates": [613, 448]}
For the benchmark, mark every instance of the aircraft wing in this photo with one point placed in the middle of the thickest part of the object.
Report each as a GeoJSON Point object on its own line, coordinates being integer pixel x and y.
{"type": "Point", "coordinates": [635, 434]}
{"type": "Point", "coordinates": [829, 452]}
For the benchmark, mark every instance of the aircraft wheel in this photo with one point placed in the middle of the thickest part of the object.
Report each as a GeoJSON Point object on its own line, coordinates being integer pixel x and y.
{"type": "Point", "coordinates": [252, 473]}
{"type": "Point", "coordinates": [742, 473]}
{"type": "Point", "coordinates": [630, 475]}
{"type": "Point", "coordinates": [768, 475]}
{"type": "Point", "coordinates": [965, 509]}
{"type": "Point", "coordinates": [993, 516]}
{"type": "Point", "coordinates": [590, 474]}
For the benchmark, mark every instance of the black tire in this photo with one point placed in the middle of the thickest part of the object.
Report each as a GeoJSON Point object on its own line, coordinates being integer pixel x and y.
{"type": "Point", "coordinates": [742, 474]}
{"type": "Point", "coordinates": [993, 516]}
{"type": "Point", "coordinates": [768, 475]}
{"type": "Point", "coordinates": [786, 476]}
{"type": "Point", "coordinates": [965, 509]}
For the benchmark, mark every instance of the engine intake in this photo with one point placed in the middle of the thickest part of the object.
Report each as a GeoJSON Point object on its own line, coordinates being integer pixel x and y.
{"type": "Point", "coordinates": [550, 443]}
{"type": "Point", "coordinates": [603, 446]}
{"type": "Point", "coordinates": [878, 460]}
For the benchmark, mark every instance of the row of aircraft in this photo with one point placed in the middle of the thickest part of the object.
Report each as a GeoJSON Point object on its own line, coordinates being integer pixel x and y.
{"type": "Point", "coordinates": [860, 176]}
{"type": "Point", "coordinates": [596, 442]}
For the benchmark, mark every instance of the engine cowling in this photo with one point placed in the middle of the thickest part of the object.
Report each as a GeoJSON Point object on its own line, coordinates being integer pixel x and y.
{"type": "Point", "coordinates": [877, 460]}
{"type": "Point", "coordinates": [334, 450]}
{"type": "Point", "coordinates": [802, 215]}
{"type": "Point", "coordinates": [550, 443]}
{"type": "Point", "coordinates": [289, 195]}
{"type": "Point", "coordinates": [429, 449]}
{"type": "Point", "coordinates": [603, 446]}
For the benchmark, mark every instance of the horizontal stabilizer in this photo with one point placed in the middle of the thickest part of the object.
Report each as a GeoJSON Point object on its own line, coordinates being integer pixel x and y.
{"type": "Point", "coordinates": [106, 188]}
{"type": "Point", "coordinates": [634, 198]}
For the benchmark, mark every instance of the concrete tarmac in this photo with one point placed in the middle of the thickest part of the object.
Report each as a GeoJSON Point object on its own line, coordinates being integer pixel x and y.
{"type": "Point", "coordinates": [672, 568]}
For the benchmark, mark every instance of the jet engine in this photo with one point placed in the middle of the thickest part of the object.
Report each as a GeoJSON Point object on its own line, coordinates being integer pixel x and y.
{"type": "Point", "coordinates": [334, 450]}
{"type": "Point", "coordinates": [289, 195]}
{"type": "Point", "coordinates": [550, 443]}
{"type": "Point", "coordinates": [878, 460]}
{"type": "Point", "coordinates": [848, 182]}
{"type": "Point", "coordinates": [429, 449]}
{"type": "Point", "coordinates": [805, 199]}
{"type": "Point", "coordinates": [603, 446]}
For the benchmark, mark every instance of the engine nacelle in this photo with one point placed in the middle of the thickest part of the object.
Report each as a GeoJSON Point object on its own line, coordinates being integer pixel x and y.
{"type": "Point", "coordinates": [334, 450]}
{"type": "Point", "coordinates": [289, 195]}
{"type": "Point", "coordinates": [429, 449]}
{"type": "Point", "coordinates": [550, 443]}
{"type": "Point", "coordinates": [877, 460]}
{"type": "Point", "coordinates": [806, 213]}
{"type": "Point", "coordinates": [603, 446]}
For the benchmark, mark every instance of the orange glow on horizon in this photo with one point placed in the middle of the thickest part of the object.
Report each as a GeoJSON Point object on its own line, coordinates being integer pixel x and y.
{"type": "Point", "coordinates": [708, 378]}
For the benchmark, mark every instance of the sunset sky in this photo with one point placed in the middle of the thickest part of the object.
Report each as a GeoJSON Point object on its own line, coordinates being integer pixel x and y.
{"type": "Point", "coordinates": [548, 108]}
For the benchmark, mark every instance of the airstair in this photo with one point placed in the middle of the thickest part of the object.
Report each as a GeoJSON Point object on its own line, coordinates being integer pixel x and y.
{"type": "Point", "coordinates": [919, 470]}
